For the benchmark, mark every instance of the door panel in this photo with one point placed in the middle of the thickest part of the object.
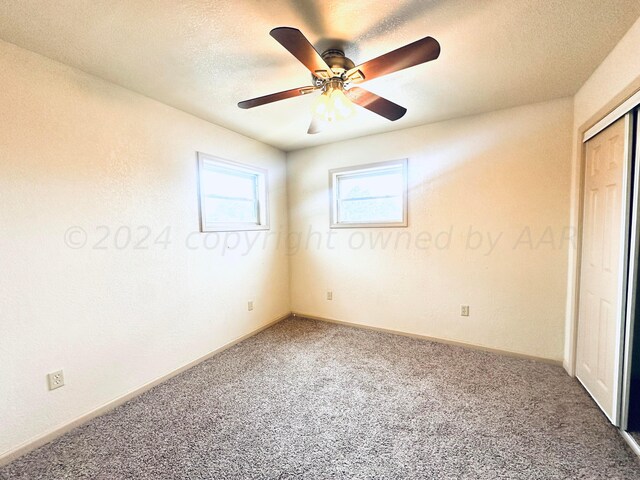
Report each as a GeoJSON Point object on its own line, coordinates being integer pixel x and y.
{"type": "Point", "coordinates": [603, 271]}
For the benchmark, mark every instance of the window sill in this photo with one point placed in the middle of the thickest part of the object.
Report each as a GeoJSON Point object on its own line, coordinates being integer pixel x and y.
{"type": "Point", "coordinates": [234, 228]}
{"type": "Point", "coordinates": [369, 225]}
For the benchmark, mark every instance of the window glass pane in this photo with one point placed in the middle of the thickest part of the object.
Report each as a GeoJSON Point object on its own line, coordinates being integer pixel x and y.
{"type": "Point", "coordinates": [371, 184]}
{"type": "Point", "coordinates": [231, 197]}
{"type": "Point", "coordinates": [374, 196]}
{"type": "Point", "coordinates": [229, 210]}
{"type": "Point", "coordinates": [228, 183]}
{"type": "Point", "coordinates": [375, 210]}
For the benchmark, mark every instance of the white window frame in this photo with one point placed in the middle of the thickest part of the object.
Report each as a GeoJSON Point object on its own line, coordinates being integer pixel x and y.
{"type": "Point", "coordinates": [334, 175]}
{"type": "Point", "coordinates": [261, 175]}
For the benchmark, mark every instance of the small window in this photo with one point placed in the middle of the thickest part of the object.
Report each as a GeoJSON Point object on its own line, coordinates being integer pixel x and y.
{"type": "Point", "coordinates": [372, 195]}
{"type": "Point", "coordinates": [232, 196]}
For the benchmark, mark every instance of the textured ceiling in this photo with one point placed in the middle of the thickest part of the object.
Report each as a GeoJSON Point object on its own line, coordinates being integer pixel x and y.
{"type": "Point", "coordinates": [205, 56]}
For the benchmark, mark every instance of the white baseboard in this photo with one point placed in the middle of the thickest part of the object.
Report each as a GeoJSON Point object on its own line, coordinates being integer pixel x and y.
{"type": "Point", "coordinates": [431, 339]}
{"type": "Point", "coordinates": [40, 440]}
{"type": "Point", "coordinates": [46, 437]}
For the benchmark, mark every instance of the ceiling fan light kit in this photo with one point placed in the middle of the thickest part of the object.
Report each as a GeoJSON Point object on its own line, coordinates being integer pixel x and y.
{"type": "Point", "coordinates": [334, 74]}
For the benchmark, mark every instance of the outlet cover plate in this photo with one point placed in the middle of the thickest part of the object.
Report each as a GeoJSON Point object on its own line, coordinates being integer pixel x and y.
{"type": "Point", "coordinates": [464, 310]}
{"type": "Point", "coordinates": [55, 380]}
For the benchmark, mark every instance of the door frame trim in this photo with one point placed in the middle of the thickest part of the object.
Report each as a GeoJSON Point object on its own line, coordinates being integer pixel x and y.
{"type": "Point", "coordinates": [629, 105]}
{"type": "Point", "coordinates": [631, 442]}
{"type": "Point", "coordinates": [634, 249]}
{"type": "Point", "coordinates": [627, 210]}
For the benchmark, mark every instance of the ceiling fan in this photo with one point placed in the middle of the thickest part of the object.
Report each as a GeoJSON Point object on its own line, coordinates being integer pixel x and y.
{"type": "Point", "coordinates": [335, 74]}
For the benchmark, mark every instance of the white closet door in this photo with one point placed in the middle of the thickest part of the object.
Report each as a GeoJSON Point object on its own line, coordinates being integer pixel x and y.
{"type": "Point", "coordinates": [603, 266]}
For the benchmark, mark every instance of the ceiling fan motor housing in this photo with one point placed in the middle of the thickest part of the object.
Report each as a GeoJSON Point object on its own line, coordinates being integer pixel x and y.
{"type": "Point", "coordinates": [337, 61]}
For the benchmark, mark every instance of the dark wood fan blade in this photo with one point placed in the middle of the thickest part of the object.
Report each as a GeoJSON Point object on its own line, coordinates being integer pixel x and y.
{"type": "Point", "coordinates": [274, 97]}
{"type": "Point", "coordinates": [293, 40]}
{"type": "Point", "coordinates": [375, 103]}
{"type": "Point", "coordinates": [415, 53]}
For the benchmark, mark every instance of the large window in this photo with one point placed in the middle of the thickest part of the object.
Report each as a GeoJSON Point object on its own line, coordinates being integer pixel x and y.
{"type": "Point", "coordinates": [232, 196]}
{"type": "Point", "coordinates": [372, 195]}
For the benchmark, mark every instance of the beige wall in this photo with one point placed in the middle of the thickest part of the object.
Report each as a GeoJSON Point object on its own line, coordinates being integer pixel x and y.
{"type": "Point", "coordinates": [504, 175]}
{"type": "Point", "coordinates": [77, 151]}
{"type": "Point", "coordinates": [618, 70]}
{"type": "Point", "coordinates": [613, 81]}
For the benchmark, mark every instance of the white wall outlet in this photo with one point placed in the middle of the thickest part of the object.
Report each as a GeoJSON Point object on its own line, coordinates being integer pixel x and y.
{"type": "Point", "coordinates": [250, 305]}
{"type": "Point", "coordinates": [464, 310]}
{"type": "Point", "coordinates": [55, 379]}
{"type": "Point", "coordinates": [329, 295]}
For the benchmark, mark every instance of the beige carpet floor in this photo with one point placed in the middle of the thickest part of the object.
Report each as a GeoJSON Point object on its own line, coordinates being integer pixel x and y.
{"type": "Point", "coordinates": [313, 400]}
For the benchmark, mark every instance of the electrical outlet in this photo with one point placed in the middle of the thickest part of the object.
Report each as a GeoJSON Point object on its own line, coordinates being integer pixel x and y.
{"type": "Point", "coordinates": [464, 310]}
{"type": "Point", "coordinates": [250, 305]}
{"type": "Point", "coordinates": [329, 295]}
{"type": "Point", "coordinates": [55, 379]}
